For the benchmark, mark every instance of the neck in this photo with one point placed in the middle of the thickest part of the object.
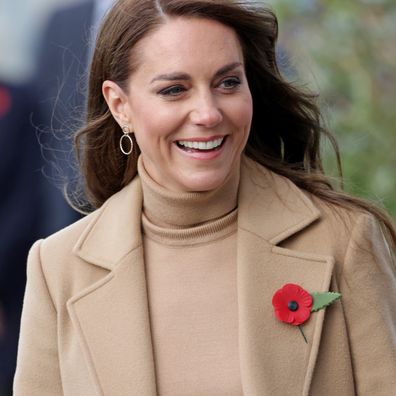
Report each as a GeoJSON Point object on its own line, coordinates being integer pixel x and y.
{"type": "Point", "coordinates": [171, 209]}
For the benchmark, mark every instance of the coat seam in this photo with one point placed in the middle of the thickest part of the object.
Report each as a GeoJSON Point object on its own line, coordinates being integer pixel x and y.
{"type": "Point", "coordinates": [45, 277]}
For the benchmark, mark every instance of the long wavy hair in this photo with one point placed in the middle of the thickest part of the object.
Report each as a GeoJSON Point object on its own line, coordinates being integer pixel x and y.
{"type": "Point", "coordinates": [286, 129]}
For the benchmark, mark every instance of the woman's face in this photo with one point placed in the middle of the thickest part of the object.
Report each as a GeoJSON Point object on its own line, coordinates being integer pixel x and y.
{"type": "Point", "coordinates": [189, 104]}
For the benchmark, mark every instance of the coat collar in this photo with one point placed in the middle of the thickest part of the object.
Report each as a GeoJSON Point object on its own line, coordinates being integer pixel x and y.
{"type": "Point", "coordinates": [115, 229]}
{"type": "Point", "coordinates": [270, 210]}
{"type": "Point", "coordinates": [270, 206]}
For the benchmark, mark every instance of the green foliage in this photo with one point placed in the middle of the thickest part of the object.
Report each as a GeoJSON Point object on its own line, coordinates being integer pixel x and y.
{"type": "Point", "coordinates": [346, 51]}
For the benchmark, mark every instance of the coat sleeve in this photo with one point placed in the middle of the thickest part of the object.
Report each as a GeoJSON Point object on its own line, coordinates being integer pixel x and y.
{"type": "Point", "coordinates": [37, 370]}
{"type": "Point", "coordinates": [368, 287]}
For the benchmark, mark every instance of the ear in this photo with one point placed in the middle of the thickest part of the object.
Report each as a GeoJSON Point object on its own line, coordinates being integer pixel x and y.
{"type": "Point", "coordinates": [117, 101]}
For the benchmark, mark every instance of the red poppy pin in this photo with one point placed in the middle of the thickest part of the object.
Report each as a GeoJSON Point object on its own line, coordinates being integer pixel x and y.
{"type": "Point", "coordinates": [294, 305]}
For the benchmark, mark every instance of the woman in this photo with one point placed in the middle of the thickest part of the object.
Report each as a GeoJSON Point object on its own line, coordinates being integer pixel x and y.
{"type": "Point", "coordinates": [204, 166]}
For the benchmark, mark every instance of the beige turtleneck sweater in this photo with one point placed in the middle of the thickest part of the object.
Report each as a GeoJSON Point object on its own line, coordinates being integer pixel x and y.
{"type": "Point", "coordinates": [190, 258]}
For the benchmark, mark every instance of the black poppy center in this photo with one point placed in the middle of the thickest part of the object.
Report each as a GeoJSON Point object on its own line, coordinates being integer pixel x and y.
{"type": "Point", "coordinates": [292, 305]}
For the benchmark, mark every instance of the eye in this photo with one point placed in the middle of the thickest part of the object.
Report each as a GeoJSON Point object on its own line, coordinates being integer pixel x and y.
{"type": "Point", "coordinates": [174, 90]}
{"type": "Point", "coordinates": [230, 83]}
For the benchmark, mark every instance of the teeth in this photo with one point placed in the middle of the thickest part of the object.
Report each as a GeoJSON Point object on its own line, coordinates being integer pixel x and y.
{"type": "Point", "coordinates": [201, 145]}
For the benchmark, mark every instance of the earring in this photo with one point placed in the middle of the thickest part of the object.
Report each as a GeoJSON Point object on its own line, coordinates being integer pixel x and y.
{"type": "Point", "coordinates": [124, 137]}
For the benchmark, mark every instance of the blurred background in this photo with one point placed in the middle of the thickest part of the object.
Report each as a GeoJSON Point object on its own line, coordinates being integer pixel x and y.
{"type": "Point", "coordinates": [44, 55]}
{"type": "Point", "coordinates": [346, 52]}
{"type": "Point", "coordinates": [343, 50]}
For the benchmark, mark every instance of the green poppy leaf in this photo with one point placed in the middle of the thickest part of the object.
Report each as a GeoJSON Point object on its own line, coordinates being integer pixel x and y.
{"type": "Point", "coordinates": [322, 300]}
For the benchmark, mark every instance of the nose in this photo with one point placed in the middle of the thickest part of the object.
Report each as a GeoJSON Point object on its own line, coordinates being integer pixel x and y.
{"type": "Point", "coordinates": [206, 111]}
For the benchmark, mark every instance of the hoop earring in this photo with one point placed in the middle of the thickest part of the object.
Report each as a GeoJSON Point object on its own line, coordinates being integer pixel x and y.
{"type": "Point", "coordinates": [124, 137]}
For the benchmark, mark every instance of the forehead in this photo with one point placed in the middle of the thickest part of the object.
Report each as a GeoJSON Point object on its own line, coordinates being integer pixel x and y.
{"type": "Point", "coordinates": [188, 43]}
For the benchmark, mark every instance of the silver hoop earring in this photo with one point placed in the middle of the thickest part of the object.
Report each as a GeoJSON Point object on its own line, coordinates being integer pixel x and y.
{"type": "Point", "coordinates": [126, 136]}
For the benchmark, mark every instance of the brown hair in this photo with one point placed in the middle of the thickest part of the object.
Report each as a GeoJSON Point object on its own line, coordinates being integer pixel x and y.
{"type": "Point", "coordinates": [286, 128]}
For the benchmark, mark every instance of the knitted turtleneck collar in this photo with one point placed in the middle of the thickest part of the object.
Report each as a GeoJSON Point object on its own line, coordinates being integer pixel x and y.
{"type": "Point", "coordinates": [169, 209]}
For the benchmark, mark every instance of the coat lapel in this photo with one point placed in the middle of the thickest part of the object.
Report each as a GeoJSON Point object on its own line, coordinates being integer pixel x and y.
{"type": "Point", "coordinates": [274, 358]}
{"type": "Point", "coordinates": [111, 317]}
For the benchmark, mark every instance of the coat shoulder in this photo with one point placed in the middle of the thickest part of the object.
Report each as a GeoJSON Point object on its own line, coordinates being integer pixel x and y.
{"type": "Point", "coordinates": [64, 272]}
{"type": "Point", "coordinates": [337, 230]}
{"type": "Point", "coordinates": [64, 240]}
{"type": "Point", "coordinates": [85, 251]}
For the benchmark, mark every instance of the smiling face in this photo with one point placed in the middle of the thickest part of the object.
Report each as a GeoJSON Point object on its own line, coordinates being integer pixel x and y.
{"type": "Point", "coordinates": [188, 103]}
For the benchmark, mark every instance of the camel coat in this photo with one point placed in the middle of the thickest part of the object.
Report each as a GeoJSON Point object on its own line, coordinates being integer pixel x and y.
{"type": "Point", "coordinates": [85, 325]}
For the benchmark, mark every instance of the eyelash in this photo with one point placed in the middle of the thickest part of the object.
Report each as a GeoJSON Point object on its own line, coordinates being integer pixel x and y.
{"type": "Point", "coordinates": [170, 91]}
{"type": "Point", "coordinates": [236, 82]}
{"type": "Point", "coordinates": [176, 90]}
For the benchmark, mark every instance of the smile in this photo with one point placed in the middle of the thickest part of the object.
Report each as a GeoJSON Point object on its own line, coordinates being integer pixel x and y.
{"type": "Point", "coordinates": [199, 145]}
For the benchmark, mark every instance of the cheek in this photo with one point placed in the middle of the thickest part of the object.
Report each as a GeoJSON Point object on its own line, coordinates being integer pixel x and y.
{"type": "Point", "coordinates": [241, 114]}
{"type": "Point", "coordinates": [154, 128]}
{"type": "Point", "coordinates": [153, 121]}
{"type": "Point", "coordinates": [142, 119]}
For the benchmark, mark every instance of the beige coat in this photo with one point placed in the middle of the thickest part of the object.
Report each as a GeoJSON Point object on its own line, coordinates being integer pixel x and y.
{"type": "Point", "coordinates": [85, 324]}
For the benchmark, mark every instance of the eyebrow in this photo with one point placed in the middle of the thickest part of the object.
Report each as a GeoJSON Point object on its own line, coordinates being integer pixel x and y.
{"type": "Point", "coordinates": [177, 76]}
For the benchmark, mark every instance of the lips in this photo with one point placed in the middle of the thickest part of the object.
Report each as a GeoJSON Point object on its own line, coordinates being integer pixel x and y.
{"type": "Point", "coordinates": [199, 145]}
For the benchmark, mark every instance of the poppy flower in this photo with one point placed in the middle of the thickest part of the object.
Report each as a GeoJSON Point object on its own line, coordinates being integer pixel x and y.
{"type": "Point", "coordinates": [292, 304]}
